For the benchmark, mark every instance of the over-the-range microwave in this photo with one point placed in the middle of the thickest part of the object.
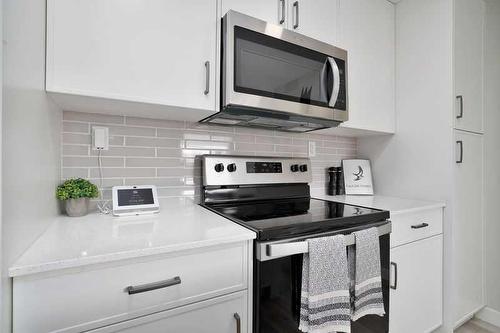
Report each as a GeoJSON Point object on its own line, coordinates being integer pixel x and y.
{"type": "Point", "coordinates": [275, 78]}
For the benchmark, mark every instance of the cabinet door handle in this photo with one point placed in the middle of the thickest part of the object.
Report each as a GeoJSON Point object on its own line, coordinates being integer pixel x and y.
{"type": "Point", "coordinates": [460, 143]}
{"type": "Point", "coordinates": [153, 286]}
{"type": "Point", "coordinates": [296, 18]}
{"type": "Point", "coordinates": [395, 285]}
{"type": "Point", "coordinates": [461, 108]}
{"type": "Point", "coordinates": [238, 322]}
{"type": "Point", "coordinates": [282, 16]}
{"type": "Point", "coordinates": [419, 226]}
{"type": "Point", "coordinates": [207, 77]}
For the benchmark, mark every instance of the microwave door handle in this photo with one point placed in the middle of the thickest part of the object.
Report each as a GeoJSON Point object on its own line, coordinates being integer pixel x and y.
{"type": "Point", "coordinates": [336, 82]}
{"type": "Point", "coordinates": [324, 81]}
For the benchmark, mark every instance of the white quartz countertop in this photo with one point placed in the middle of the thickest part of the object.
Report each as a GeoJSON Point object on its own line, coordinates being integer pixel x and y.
{"type": "Point", "coordinates": [394, 205]}
{"type": "Point", "coordinates": [94, 239]}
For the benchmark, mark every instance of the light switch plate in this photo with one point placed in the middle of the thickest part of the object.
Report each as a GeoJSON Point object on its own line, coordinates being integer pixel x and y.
{"type": "Point", "coordinates": [312, 149]}
{"type": "Point", "coordinates": [100, 138]}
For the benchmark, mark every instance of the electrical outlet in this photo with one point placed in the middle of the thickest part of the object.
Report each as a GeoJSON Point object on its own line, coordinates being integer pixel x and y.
{"type": "Point", "coordinates": [100, 138]}
{"type": "Point", "coordinates": [312, 149]}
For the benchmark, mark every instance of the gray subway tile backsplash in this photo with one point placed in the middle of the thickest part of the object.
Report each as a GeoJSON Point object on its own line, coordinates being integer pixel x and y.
{"type": "Point", "coordinates": [164, 152]}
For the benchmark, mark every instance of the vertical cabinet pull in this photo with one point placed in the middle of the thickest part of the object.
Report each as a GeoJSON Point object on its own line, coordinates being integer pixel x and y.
{"type": "Point", "coordinates": [461, 106]}
{"type": "Point", "coordinates": [395, 285]}
{"type": "Point", "coordinates": [460, 144]}
{"type": "Point", "coordinates": [282, 7]}
{"type": "Point", "coordinates": [238, 322]}
{"type": "Point", "coordinates": [207, 77]}
{"type": "Point", "coordinates": [296, 16]}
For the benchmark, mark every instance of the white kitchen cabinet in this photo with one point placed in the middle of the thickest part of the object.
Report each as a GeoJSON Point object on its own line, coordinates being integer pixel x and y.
{"type": "Point", "coordinates": [272, 11]}
{"type": "Point", "coordinates": [155, 52]}
{"type": "Point", "coordinates": [314, 18]}
{"type": "Point", "coordinates": [225, 314]}
{"type": "Point", "coordinates": [366, 31]}
{"type": "Point", "coordinates": [468, 226]}
{"type": "Point", "coordinates": [162, 283]}
{"type": "Point", "coordinates": [469, 59]}
{"type": "Point", "coordinates": [416, 297]}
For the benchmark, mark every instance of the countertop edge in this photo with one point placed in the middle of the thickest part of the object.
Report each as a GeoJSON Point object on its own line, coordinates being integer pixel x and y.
{"type": "Point", "coordinates": [19, 271]}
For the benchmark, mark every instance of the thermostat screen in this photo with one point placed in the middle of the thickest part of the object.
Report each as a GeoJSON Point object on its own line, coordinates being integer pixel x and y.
{"type": "Point", "coordinates": [135, 196]}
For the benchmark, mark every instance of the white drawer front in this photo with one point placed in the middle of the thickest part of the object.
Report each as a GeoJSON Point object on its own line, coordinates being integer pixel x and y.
{"type": "Point", "coordinates": [410, 227]}
{"type": "Point", "coordinates": [93, 298]}
{"type": "Point", "coordinates": [226, 314]}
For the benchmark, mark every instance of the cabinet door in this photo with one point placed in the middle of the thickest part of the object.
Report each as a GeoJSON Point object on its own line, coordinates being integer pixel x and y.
{"type": "Point", "coordinates": [314, 18]}
{"type": "Point", "coordinates": [416, 303]}
{"type": "Point", "coordinates": [272, 11]}
{"type": "Point", "coordinates": [366, 31]}
{"type": "Point", "coordinates": [151, 51]}
{"type": "Point", "coordinates": [226, 314]}
{"type": "Point", "coordinates": [469, 21]}
{"type": "Point", "coordinates": [468, 225]}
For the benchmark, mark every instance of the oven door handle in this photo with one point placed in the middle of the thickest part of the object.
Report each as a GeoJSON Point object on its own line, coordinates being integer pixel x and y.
{"type": "Point", "coordinates": [273, 250]}
{"type": "Point", "coordinates": [336, 82]}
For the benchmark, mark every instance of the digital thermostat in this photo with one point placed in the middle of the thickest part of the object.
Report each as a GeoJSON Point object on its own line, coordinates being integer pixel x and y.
{"type": "Point", "coordinates": [135, 200]}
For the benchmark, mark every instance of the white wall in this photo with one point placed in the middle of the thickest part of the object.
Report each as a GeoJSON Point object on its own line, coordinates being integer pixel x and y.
{"type": "Point", "coordinates": [31, 136]}
{"type": "Point", "coordinates": [1, 104]}
{"type": "Point", "coordinates": [492, 155]}
{"type": "Point", "coordinates": [416, 161]}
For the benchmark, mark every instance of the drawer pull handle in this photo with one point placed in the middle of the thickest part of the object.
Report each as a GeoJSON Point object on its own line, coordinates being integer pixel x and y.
{"type": "Point", "coordinates": [238, 322]}
{"type": "Point", "coordinates": [395, 285]}
{"type": "Point", "coordinates": [419, 226]}
{"type": "Point", "coordinates": [153, 286]}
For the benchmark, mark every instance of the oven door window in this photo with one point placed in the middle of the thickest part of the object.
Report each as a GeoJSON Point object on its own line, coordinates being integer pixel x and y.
{"type": "Point", "coordinates": [270, 67]}
{"type": "Point", "coordinates": [277, 287]}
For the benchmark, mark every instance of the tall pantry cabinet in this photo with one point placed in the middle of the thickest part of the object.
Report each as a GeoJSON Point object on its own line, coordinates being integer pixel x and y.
{"type": "Point", "coordinates": [437, 150]}
{"type": "Point", "coordinates": [468, 270]}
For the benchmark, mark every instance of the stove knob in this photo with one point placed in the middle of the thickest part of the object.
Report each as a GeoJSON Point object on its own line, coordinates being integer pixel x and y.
{"type": "Point", "coordinates": [303, 168]}
{"type": "Point", "coordinates": [231, 167]}
{"type": "Point", "coordinates": [294, 167]}
{"type": "Point", "coordinates": [219, 167]}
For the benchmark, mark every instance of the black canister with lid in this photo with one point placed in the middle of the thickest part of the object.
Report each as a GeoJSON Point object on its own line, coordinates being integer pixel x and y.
{"type": "Point", "coordinates": [336, 181]}
{"type": "Point", "coordinates": [332, 183]}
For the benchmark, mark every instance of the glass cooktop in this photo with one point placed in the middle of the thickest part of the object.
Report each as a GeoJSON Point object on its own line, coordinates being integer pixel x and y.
{"type": "Point", "coordinates": [278, 219]}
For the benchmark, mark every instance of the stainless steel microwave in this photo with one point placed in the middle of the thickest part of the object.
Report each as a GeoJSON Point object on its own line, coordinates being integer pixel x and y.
{"type": "Point", "coordinates": [275, 78]}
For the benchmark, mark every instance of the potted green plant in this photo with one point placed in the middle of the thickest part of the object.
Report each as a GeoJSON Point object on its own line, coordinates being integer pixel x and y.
{"type": "Point", "coordinates": [76, 194]}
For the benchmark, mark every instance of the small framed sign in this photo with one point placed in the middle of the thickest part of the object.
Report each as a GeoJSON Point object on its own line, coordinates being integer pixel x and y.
{"type": "Point", "coordinates": [135, 200]}
{"type": "Point", "coordinates": [357, 177]}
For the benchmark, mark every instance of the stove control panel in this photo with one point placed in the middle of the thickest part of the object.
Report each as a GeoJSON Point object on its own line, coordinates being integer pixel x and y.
{"type": "Point", "coordinates": [220, 170]}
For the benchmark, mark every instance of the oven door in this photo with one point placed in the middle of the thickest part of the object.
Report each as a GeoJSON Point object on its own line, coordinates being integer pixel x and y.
{"type": "Point", "coordinates": [277, 287]}
{"type": "Point", "coordinates": [271, 68]}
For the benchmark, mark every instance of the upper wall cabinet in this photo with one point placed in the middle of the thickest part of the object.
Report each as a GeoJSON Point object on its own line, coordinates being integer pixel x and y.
{"type": "Point", "coordinates": [272, 11]}
{"type": "Point", "coordinates": [469, 26]}
{"type": "Point", "coordinates": [366, 31]}
{"type": "Point", "coordinates": [156, 52]}
{"type": "Point", "coordinates": [314, 18]}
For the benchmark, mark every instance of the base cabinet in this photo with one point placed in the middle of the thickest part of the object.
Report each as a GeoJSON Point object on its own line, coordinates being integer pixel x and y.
{"type": "Point", "coordinates": [227, 314]}
{"type": "Point", "coordinates": [416, 294]}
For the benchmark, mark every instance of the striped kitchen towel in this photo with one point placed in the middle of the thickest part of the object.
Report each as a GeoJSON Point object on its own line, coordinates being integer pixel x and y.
{"type": "Point", "coordinates": [364, 272]}
{"type": "Point", "coordinates": [325, 300]}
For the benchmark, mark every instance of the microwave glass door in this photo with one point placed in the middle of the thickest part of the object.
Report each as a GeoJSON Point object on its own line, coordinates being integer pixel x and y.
{"type": "Point", "coordinates": [271, 67]}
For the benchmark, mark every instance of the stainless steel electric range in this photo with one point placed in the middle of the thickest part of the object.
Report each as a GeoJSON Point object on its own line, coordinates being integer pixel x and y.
{"type": "Point", "coordinates": [271, 196]}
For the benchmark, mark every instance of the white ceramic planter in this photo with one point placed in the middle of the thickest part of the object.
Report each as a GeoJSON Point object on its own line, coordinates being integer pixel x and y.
{"type": "Point", "coordinates": [77, 207]}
